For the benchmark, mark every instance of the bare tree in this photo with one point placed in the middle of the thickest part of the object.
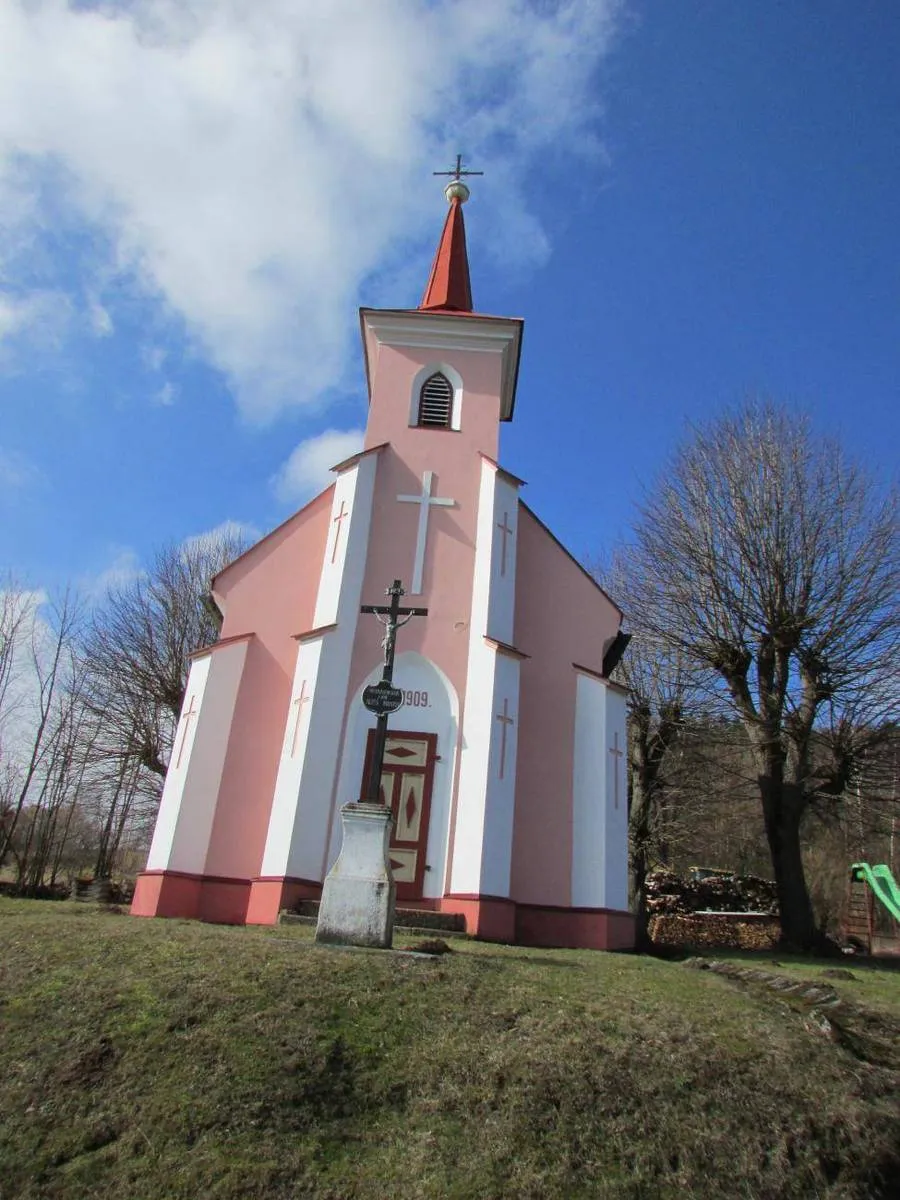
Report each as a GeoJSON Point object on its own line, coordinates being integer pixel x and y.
{"type": "Point", "coordinates": [118, 808]}
{"type": "Point", "coordinates": [51, 630]}
{"type": "Point", "coordinates": [140, 643]}
{"type": "Point", "coordinates": [15, 605]}
{"type": "Point", "coordinates": [48, 820]}
{"type": "Point", "coordinates": [659, 688]}
{"type": "Point", "coordinates": [773, 562]}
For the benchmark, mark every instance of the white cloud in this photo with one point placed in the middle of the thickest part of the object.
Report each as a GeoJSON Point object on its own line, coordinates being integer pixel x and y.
{"type": "Point", "coordinates": [165, 397]}
{"type": "Point", "coordinates": [16, 471]}
{"type": "Point", "coordinates": [307, 469]}
{"type": "Point", "coordinates": [40, 316]}
{"type": "Point", "coordinates": [153, 357]}
{"type": "Point", "coordinates": [250, 165]}
{"type": "Point", "coordinates": [229, 533]}
{"type": "Point", "coordinates": [101, 322]}
{"type": "Point", "coordinates": [122, 569]}
{"type": "Point", "coordinates": [124, 565]}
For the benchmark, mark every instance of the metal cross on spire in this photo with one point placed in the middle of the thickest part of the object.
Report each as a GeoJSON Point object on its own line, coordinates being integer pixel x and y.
{"type": "Point", "coordinates": [456, 188]}
{"type": "Point", "coordinates": [457, 172]}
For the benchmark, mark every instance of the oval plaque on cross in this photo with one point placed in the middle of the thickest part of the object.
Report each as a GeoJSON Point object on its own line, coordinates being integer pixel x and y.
{"type": "Point", "coordinates": [382, 697]}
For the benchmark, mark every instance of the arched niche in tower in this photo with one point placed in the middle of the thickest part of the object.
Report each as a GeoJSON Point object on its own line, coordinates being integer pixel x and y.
{"type": "Point", "coordinates": [431, 705]}
{"type": "Point", "coordinates": [422, 376]}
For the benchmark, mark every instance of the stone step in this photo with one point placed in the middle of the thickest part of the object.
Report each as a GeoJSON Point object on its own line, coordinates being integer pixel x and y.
{"type": "Point", "coordinates": [287, 918]}
{"type": "Point", "coordinates": [422, 921]}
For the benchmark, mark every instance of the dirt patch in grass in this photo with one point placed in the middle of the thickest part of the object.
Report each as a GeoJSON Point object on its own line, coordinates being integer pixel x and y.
{"type": "Point", "coordinates": [165, 1058]}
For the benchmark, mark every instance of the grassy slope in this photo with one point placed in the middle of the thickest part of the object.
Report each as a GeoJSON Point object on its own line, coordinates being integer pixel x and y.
{"type": "Point", "coordinates": [170, 1059]}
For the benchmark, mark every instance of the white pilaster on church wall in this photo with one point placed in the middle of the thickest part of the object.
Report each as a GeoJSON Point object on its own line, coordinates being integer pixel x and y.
{"type": "Point", "coordinates": [482, 844]}
{"type": "Point", "coordinates": [616, 872]}
{"type": "Point", "coordinates": [504, 529]}
{"type": "Point", "coordinates": [345, 516]}
{"type": "Point", "coordinates": [188, 805]}
{"type": "Point", "coordinates": [468, 838]}
{"type": "Point", "coordinates": [501, 780]}
{"type": "Point", "coordinates": [600, 797]}
{"type": "Point", "coordinates": [299, 825]}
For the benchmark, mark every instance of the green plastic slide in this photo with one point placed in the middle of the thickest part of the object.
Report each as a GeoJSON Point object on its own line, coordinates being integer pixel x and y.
{"type": "Point", "coordinates": [883, 885]}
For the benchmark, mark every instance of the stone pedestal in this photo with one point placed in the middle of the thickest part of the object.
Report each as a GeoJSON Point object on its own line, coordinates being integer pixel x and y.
{"type": "Point", "coordinates": [357, 907]}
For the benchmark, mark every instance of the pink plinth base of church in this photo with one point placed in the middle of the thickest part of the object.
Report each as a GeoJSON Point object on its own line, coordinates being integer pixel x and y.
{"type": "Point", "coordinates": [575, 928]}
{"type": "Point", "coordinates": [269, 896]}
{"type": "Point", "coordinates": [491, 918]}
{"type": "Point", "coordinates": [177, 894]}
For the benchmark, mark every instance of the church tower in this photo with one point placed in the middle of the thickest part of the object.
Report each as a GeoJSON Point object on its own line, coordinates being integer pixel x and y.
{"type": "Point", "coordinates": [503, 768]}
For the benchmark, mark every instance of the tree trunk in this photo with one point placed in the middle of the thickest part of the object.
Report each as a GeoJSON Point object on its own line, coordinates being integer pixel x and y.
{"type": "Point", "coordinates": [639, 830]}
{"type": "Point", "coordinates": [782, 810]}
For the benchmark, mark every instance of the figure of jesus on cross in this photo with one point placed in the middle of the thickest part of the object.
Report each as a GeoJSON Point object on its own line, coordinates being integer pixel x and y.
{"type": "Point", "coordinates": [392, 617]}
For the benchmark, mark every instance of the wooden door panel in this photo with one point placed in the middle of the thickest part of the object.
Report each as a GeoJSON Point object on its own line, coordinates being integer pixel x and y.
{"type": "Point", "coordinates": [403, 865]}
{"type": "Point", "coordinates": [406, 784]}
{"type": "Point", "coordinates": [387, 787]}
{"type": "Point", "coordinates": [408, 814]}
{"type": "Point", "coordinates": [407, 752]}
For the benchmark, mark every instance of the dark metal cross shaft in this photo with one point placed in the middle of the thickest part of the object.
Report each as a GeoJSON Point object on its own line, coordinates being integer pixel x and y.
{"type": "Point", "coordinates": [457, 172]}
{"type": "Point", "coordinates": [392, 616]}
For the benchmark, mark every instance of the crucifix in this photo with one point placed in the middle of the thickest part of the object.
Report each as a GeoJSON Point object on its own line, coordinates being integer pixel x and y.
{"type": "Point", "coordinates": [617, 754]}
{"type": "Point", "coordinates": [298, 703]}
{"type": "Point", "coordinates": [457, 172]}
{"type": "Point", "coordinates": [425, 500]}
{"type": "Point", "coordinates": [505, 721]}
{"type": "Point", "coordinates": [186, 716]}
{"type": "Point", "coordinates": [392, 616]}
{"type": "Point", "coordinates": [506, 531]}
{"type": "Point", "coordinates": [338, 520]}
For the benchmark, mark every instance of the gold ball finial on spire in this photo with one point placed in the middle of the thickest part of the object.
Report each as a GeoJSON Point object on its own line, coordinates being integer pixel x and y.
{"type": "Point", "coordinates": [456, 189]}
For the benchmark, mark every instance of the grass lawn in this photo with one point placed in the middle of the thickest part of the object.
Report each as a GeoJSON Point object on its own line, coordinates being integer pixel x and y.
{"type": "Point", "coordinates": [162, 1059]}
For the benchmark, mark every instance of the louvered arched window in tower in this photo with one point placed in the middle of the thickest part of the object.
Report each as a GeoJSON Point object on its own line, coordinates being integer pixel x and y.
{"type": "Point", "coordinates": [436, 402]}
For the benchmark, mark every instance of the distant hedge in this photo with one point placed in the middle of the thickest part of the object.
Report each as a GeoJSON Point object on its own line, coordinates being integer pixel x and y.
{"type": "Point", "coordinates": [114, 891]}
{"type": "Point", "coordinates": [42, 891]}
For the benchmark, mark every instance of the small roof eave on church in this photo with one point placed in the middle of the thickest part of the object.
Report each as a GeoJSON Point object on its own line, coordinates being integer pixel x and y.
{"type": "Point", "coordinates": [221, 644]}
{"type": "Point", "coordinates": [612, 684]}
{"type": "Point", "coordinates": [502, 471]}
{"type": "Point", "coordinates": [446, 330]}
{"type": "Point", "coordinates": [346, 463]}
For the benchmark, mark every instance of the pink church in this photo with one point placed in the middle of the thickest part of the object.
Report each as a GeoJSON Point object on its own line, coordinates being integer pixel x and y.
{"type": "Point", "coordinates": [504, 767]}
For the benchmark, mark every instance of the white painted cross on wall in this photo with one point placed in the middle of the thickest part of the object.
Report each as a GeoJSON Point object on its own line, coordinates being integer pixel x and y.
{"type": "Point", "coordinates": [505, 530]}
{"type": "Point", "coordinates": [187, 716]}
{"type": "Point", "coordinates": [338, 520]}
{"type": "Point", "coordinates": [298, 703]}
{"type": "Point", "coordinates": [617, 754]}
{"type": "Point", "coordinates": [505, 721]}
{"type": "Point", "coordinates": [425, 501]}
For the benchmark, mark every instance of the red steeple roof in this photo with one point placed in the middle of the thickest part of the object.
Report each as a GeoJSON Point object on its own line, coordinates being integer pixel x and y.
{"type": "Point", "coordinates": [448, 286]}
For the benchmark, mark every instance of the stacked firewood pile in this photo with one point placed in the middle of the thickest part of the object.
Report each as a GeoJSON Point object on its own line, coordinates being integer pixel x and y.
{"type": "Point", "coordinates": [669, 893]}
{"type": "Point", "coordinates": [734, 911]}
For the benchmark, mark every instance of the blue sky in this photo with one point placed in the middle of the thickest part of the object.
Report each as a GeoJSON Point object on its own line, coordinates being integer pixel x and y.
{"type": "Point", "coordinates": [687, 202]}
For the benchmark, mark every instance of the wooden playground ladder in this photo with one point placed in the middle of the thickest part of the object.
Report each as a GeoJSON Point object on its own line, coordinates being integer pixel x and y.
{"type": "Point", "coordinates": [859, 923]}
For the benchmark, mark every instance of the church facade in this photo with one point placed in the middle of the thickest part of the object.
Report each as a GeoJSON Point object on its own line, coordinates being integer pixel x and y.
{"type": "Point", "coordinates": [505, 765]}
